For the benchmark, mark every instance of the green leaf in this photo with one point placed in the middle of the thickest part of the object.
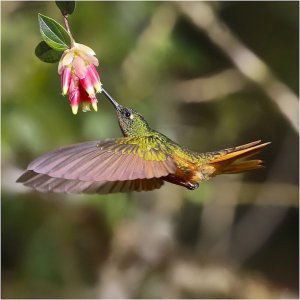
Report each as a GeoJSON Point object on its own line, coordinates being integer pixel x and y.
{"type": "Point", "coordinates": [66, 7]}
{"type": "Point", "coordinates": [46, 54]}
{"type": "Point", "coordinates": [54, 34]}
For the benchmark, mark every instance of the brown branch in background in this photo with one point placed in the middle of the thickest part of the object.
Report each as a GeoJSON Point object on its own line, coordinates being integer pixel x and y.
{"type": "Point", "coordinates": [220, 237]}
{"type": "Point", "coordinates": [209, 88]}
{"type": "Point", "coordinates": [218, 233]}
{"type": "Point", "coordinates": [152, 38]}
{"type": "Point", "coordinates": [256, 227]}
{"type": "Point", "coordinates": [252, 67]}
{"type": "Point", "coordinates": [156, 267]}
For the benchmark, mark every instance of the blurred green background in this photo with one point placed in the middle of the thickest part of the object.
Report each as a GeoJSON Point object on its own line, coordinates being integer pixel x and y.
{"type": "Point", "coordinates": [237, 236]}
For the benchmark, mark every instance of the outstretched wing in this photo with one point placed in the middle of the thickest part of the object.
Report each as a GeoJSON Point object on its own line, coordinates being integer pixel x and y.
{"type": "Point", "coordinates": [45, 183]}
{"type": "Point", "coordinates": [110, 160]}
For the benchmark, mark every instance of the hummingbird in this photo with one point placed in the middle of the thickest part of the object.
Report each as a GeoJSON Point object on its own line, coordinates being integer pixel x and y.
{"type": "Point", "coordinates": [142, 160]}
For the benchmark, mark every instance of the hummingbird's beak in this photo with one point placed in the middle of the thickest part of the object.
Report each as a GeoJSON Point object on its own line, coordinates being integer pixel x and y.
{"type": "Point", "coordinates": [112, 100]}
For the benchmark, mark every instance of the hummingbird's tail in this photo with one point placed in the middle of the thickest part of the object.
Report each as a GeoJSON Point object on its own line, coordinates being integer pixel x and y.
{"type": "Point", "coordinates": [232, 160]}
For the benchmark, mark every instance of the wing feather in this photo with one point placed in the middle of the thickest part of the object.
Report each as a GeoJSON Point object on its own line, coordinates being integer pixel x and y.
{"type": "Point", "coordinates": [75, 165]}
{"type": "Point", "coordinates": [58, 156]}
{"type": "Point", "coordinates": [45, 183]}
{"type": "Point", "coordinates": [107, 160]}
{"type": "Point", "coordinates": [104, 166]}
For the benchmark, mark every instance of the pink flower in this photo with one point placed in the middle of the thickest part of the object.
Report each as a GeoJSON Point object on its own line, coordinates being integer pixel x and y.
{"type": "Point", "coordinates": [79, 77]}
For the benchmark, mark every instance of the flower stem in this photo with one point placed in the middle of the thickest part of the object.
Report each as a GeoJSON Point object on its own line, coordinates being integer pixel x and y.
{"type": "Point", "coordinates": [68, 29]}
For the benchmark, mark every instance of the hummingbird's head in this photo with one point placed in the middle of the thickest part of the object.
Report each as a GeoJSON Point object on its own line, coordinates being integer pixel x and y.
{"type": "Point", "coordinates": [131, 122]}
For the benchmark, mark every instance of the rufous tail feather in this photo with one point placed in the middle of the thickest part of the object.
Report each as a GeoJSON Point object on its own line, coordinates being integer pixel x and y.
{"type": "Point", "coordinates": [232, 160]}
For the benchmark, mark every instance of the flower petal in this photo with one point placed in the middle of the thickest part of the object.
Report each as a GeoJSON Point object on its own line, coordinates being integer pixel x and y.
{"type": "Point", "coordinates": [66, 80]}
{"type": "Point", "coordinates": [68, 57]}
{"type": "Point", "coordinates": [93, 60]}
{"type": "Point", "coordinates": [87, 85]}
{"type": "Point", "coordinates": [94, 102]}
{"type": "Point", "coordinates": [93, 75]}
{"type": "Point", "coordinates": [74, 98]}
{"type": "Point", "coordinates": [74, 109]}
{"type": "Point", "coordinates": [90, 59]}
{"type": "Point", "coordinates": [80, 67]}
{"type": "Point", "coordinates": [84, 96]}
{"type": "Point", "coordinates": [60, 67]}
{"type": "Point", "coordinates": [74, 84]}
{"type": "Point", "coordinates": [85, 49]}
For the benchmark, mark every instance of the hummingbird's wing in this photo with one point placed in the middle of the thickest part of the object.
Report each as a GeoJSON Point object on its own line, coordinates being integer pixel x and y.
{"type": "Point", "coordinates": [45, 183]}
{"type": "Point", "coordinates": [110, 160]}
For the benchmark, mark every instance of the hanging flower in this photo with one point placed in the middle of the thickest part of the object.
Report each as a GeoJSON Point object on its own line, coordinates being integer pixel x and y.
{"type": "Point", "coordinates": [79, 77]}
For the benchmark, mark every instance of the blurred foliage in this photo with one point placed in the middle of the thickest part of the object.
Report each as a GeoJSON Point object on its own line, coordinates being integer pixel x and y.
{"type": "Point", "coordinates": [236, 236]}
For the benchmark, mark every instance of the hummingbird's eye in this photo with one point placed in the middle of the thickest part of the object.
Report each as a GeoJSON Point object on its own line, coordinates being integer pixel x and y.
{"type": "Point", "coordinates": [127, 114]}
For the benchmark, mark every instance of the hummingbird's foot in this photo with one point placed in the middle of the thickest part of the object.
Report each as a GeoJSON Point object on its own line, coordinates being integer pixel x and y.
{"type": "Point", "coordinates": [187, 184]}
{"type": "Point", "coordinates": [192, 186]}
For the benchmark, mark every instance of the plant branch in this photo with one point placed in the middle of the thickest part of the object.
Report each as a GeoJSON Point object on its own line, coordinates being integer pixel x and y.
{"type": "Point", "coordinates": [68, 29]}
{"type": "Point", "coordinates": [251, 66]}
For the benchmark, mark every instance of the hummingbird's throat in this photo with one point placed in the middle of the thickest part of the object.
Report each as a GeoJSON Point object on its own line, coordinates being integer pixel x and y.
{"type": "Point", "coordinates": [123, 131]}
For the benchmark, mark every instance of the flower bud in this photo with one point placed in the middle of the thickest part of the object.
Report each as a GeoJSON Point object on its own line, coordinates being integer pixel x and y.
{"type": "Point", "coordinates": [65, 80]}
{"type": "Point", "coordinates": [74, 108]}
{"type": "Point", "coordinates": [88, 86]}
{"type": "Point", "coordinates": [74, 95]}
{"type": "Point", "coordinates": [94, 102]}
{"type": "Point", "coordinates": [94, 78]}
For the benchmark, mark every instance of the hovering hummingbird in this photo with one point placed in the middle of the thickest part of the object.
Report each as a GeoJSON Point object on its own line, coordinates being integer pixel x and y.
{"type": "Point", "coordinates": [140, 161]}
